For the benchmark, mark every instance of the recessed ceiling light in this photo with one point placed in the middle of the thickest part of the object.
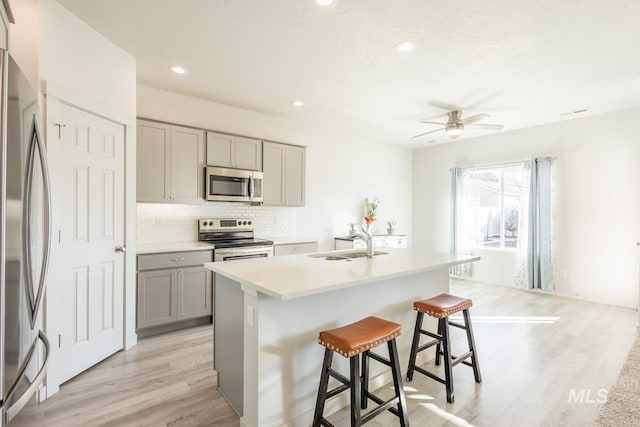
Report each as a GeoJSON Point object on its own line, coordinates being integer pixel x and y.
{"type": "Point", "coordinates": [178, 69]}
{"type": "Point", "coordinates": [297, 103]}
{"type": "Point", "coordinates": [324, 2]}
{"type": "Point", "coordinates": [405, 46]}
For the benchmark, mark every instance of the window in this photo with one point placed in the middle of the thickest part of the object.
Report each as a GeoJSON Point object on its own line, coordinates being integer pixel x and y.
{"type": "Point", "coordinates": [490, 205]}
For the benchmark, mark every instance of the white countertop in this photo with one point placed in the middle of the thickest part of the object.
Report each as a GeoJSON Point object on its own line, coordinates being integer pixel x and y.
{"type": "Point", "coordinates": [290, 240]}
{"type": "Point", "coordinates": [295, 276]}
{"type": "Point", "coordinates": [156, 248]}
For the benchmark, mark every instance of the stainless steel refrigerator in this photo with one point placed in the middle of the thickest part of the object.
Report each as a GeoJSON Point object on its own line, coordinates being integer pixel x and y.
{"type": "Point", "coordinates": [24, 242]}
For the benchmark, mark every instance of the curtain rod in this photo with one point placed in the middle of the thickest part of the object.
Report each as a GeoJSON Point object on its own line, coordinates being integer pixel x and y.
{"type": "Point", "coordinates": [503, 163]}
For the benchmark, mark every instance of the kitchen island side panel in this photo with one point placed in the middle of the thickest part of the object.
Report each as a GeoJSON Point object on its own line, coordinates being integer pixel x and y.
{"type": "Point", "coordinates": [228, 336]}
{"type": "Point", "coordinates": [289, 358]}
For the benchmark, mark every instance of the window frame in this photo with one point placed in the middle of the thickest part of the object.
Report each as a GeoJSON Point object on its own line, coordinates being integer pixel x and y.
{"type": "Point", "coordinates": [501, 167]}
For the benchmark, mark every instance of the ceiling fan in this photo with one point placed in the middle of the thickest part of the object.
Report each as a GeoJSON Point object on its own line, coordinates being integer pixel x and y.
{"type": "Point", "coordinates": [456, 124]}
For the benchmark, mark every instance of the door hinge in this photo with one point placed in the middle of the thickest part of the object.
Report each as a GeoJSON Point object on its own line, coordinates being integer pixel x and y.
{"type": "Point", "coordinates": [60, 126]}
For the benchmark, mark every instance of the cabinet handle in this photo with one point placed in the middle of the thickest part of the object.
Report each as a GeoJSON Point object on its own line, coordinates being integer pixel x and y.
{"type": "Point", "coordinates": [176, 259]}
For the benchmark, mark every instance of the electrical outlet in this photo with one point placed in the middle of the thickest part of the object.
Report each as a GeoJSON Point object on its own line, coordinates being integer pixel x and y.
{"type": "Point", "coordinates": [250, 315]}
{"type": "Point", "coordinates": [563, 274]}
{"type": "Point", "coordinates": [157, 220]}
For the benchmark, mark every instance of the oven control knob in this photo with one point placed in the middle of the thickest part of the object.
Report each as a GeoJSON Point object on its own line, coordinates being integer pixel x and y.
{"type": "Point", "coordinates": [249, 222]}
{"type": "Point", "coordinates": [244, 222]}
{"type": "Point", "coordinates": [205, 223]}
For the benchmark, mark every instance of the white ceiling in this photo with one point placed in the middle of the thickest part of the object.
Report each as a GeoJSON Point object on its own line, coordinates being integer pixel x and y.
{"type": "Point", "coordinates": [523, 62]}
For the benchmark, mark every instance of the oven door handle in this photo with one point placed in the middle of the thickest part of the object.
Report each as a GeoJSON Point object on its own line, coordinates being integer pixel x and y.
{"type": "Point", "coordinates": [246, 256]}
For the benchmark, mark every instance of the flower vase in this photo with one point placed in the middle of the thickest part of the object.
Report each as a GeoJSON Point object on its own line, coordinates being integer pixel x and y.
{"type": "Point", "coordinates": [391, 231]}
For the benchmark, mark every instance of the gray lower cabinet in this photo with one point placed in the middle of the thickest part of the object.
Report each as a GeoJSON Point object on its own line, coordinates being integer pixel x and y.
{"type": "Point", "coordinates": [172, 287]}
{"type": "Point", "coordinates": [157, 298]}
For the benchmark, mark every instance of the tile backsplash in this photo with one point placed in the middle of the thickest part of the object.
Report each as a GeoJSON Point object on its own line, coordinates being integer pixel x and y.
{"type": "Point", "coordinates": [160, 223]}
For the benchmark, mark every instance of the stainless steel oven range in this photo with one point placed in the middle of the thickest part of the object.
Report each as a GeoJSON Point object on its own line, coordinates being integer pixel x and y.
{"type": "Point", "coordinates": [232, 239]}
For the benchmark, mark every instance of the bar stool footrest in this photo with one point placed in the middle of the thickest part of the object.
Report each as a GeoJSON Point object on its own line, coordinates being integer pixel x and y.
{"type": "Point", "coordinates": [379, 358]}
{"type": "Point", "coordinates": [457, 325]}
{"type": "Point", "coordinates": [382, 406]}
{"type": "Point", "coordinates": [461, 359]}
{"type": "Point", "coordinates": [325, 423]}
{"type": "Point", "coordinates": [427, 345]}
{"type": "Point", "coordinates": [430, 374]}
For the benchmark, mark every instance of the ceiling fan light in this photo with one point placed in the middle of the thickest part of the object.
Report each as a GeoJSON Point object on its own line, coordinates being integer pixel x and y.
{"type": "Point", "coordinates": [454, 130]}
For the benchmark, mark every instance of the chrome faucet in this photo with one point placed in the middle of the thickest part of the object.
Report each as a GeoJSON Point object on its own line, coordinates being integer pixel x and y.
{"type": "Point", "coordinates": [368, 239]}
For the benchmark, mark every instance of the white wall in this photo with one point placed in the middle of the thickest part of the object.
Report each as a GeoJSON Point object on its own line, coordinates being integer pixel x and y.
{"type": "Point", "coordinates": [76, 57]}
{"type": "Point", "coordinates": [598, 216]}
{"type": "Point", "coordinates": [341, 170]}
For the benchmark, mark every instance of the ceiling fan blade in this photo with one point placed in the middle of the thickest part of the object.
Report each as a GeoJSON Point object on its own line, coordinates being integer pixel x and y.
{"type": "Point", "coordinates": [433, 123]}
{"type": "Point", "coordinates": [473, 119]}
{"type": "Point", "coordinates": [444, 105]}
{"type": "Point", "coordinates": [485, 126]}
{"type": "Point", "coordinates": [427, 133]}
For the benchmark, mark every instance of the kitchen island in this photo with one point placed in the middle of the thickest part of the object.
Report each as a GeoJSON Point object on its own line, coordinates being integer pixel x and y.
{"type": "Point", "coordinates": [268, 313]}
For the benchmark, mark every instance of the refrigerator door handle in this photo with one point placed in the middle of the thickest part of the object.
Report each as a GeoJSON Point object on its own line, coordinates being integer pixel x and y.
{"type": "Point", "coordinates": [10, 412]}
{"type": "Point", "coordinates": [36, 143]}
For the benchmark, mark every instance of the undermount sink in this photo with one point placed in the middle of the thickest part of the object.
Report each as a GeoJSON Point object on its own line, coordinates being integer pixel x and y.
{"type": "Point", "coordinates": [345, 255]}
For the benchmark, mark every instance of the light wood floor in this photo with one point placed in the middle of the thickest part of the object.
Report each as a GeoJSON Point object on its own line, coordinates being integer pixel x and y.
{"type": "Point", "coordinates": [166, 380]}
{"type": "Point", "coordinates": [533, 350]}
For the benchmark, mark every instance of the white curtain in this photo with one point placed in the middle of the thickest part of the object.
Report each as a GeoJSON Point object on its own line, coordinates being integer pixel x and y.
{"type": "Point", "coordinates": [536, 238]}
{"type": "Point", "coordinates": [458, 244]}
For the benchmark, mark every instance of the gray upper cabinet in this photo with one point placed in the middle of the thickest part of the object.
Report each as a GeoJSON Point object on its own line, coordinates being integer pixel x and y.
{"type": "Point", "coordinates": [230, 151]}
{"type": "Point", "coordinates": [170, 163]}
{"type": "Point", "coordinates": [284, 174]}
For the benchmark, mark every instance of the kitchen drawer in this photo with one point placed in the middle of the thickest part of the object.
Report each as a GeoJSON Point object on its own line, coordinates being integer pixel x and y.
{"type": "Point", "coordinates": [295, 248]}
{"type": "Point", "coordinates": [396, 241]}
{"type": "Point", "coordinates": [173, 259]}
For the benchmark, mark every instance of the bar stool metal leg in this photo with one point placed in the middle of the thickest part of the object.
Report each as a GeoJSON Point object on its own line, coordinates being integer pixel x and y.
{"type": "Point", "coordinates": [354, 370]}
{"type": "Point", "coordinates": [397, 384]}
{"type": "Point", "coordinates": [439, 345]}
{"type": "Point", "coordinates": [322, 389]}
{"type": "Point", "coordinates": [414, 346]}
{"type": "Point", "coordinates": [472, 347]}
{"type": "Point", "coordinates": [448, 374]}
{"type": "Point", "coordinates": [365, 380]}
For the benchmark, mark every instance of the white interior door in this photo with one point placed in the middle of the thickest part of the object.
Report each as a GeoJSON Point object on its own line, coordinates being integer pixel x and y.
{"type": "Point", "coordinates": [88, 209]}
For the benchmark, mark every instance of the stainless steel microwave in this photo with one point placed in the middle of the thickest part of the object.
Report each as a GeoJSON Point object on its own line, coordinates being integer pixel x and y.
{"type": "Point", "coordinates": [233, 185]}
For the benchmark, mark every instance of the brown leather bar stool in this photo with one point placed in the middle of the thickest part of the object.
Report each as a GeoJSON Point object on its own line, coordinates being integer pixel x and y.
{"type": "Point", "coordinates": [350, 341]}
{"type": "Point", "coordinates": [441, 307]}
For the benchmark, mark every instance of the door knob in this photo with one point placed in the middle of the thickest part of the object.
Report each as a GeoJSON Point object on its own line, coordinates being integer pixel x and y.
{"type": "Point", "coordinates": [121, 249]}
